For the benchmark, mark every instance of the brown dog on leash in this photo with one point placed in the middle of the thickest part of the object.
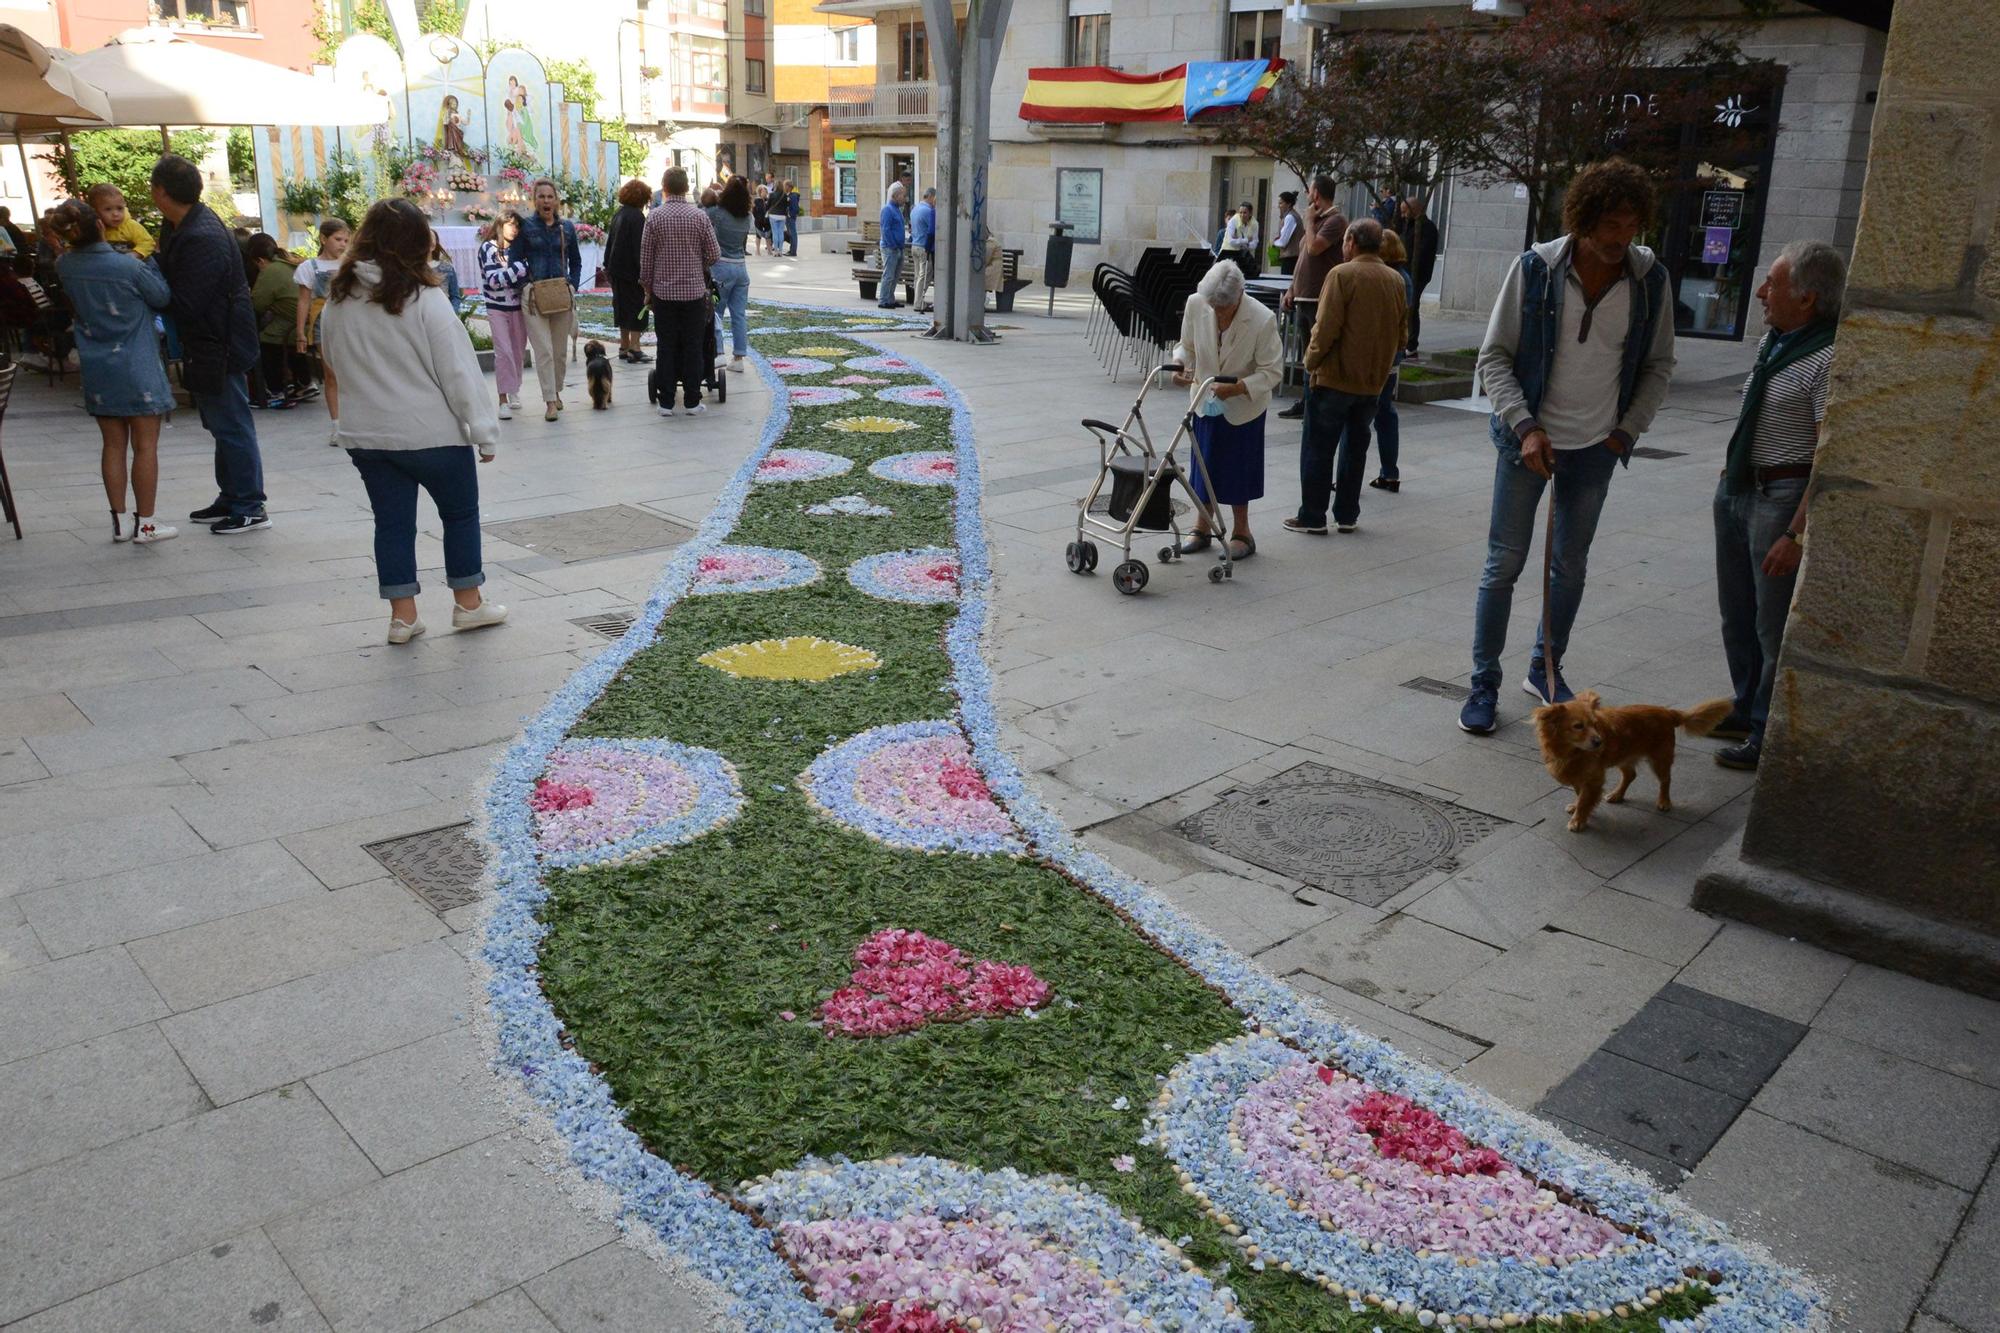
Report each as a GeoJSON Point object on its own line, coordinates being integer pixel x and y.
{"type": "Point", "coordinates": [1582, 741]}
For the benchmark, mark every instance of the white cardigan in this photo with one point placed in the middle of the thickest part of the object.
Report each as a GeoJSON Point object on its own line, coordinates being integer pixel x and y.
{"type": "Point", "coordinates": [408, 381]}
{"type": "Point", "coordinates": [1250, 350]}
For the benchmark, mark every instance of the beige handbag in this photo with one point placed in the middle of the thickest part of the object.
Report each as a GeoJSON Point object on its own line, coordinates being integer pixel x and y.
{"type": "Point", "coordinates": [550, 296]}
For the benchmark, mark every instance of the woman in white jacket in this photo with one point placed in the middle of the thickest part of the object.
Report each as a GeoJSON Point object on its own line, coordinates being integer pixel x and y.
{"type": "Point", "coordinates": [1222, 333]}
{"type": "Point", "coordinates": [414, 407]}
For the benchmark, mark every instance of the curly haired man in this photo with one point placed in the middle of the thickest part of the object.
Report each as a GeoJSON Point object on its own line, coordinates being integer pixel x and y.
{"type": "Point", "coordinates": [1576, 361]}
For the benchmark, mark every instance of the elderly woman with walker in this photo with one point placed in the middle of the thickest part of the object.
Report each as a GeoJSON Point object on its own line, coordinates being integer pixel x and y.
{"type": "Point", "coordinates": [1223, 334]}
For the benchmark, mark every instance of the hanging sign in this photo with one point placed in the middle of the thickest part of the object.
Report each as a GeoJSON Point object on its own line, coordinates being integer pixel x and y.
{"type": "Point", "coordinates": [1715, 244]}
{"type": "Point", "coordinates": [1722, 208]}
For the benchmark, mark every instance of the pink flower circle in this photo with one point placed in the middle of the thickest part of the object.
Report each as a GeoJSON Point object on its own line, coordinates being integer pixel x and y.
{"type": "Point", "coordinates": [801, 465]}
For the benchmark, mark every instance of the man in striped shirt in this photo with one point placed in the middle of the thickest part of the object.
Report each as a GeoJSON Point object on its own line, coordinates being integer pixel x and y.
{"type": "Point", "coordinates": [1760, 504]}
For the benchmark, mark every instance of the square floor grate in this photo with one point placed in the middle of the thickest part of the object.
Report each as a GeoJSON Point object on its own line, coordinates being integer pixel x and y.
{"type": "Point", "coordinates": [1443, 689]}
{"type": "Point", "coordinates": [588, 534]}
{"type": "Point", "coordinates": [1653, 451]}
{"type": "Point", "coordinates": [1349, 835]}
{"type": "Point", "coordinates": [442, 866]}
{"type": "Point", "coordinates": [611, 624]}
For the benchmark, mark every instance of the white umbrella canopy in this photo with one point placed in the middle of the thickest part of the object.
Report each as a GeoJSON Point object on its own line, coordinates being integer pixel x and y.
{"type": "Point", "coordinates": [34, 84]}
{"type": "Point", "coordinates": [152, 77]}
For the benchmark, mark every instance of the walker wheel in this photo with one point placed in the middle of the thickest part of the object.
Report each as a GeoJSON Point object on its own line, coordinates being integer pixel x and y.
{"type": "Point", "coordinates": [721, 387]}
{"type": "Point", "coordinates": [1130, 577]}
{"type": "Point", "coordinates": [1073, 557]}
{"type": "Point", "coordinates": [1215, 573]}
{"type": "Point", "coordinates": [1090, 557]}
{"type": "Point", "coordinates": [1168, 554]}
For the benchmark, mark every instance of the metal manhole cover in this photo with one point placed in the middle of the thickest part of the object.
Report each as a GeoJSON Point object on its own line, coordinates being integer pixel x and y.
{"type": "Point", "coordinates": [442, 866]}
{"type": "Point", "coordinates": [586, 534]}
{"type": "Point", "coordinates": [1652, 451]}
{"type": "Point", "coordinates": [1349, 835]}
{"type": "Point", "coordinates": [1443, 689]}
{"type": "Point", "coordinates": [611, 624]}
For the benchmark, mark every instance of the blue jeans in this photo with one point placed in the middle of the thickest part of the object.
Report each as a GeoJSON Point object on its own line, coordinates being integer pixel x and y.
{"type": "Point", "coordinates": [1336, 428]}
{"type": "Point", "coordinates": [792, 226]}
{"type": "Point", "coordinates": [239, 467]}
{"type": "Point", "coordinates": [892, 272]}
{"type": "Point", "coordinates": [732, 288]}
{"type": "Point", "coordinates": [1754, 604]}
{"type": "Point", "coordinates": [392, 477]}
{"type": "Point", "coordinates": [777, 222]}
{"type": "Point", "coordinates": [1583, 478]}
{"type": "Point", "coordinates": [1389, 428]}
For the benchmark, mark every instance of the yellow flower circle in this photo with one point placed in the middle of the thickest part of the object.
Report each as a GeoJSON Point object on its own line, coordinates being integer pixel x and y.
{"type": "Point", "coordinates": [802, 657]}
{"type": "Point", "coordinates": [822, 351]}
{"type": "Point", "coordinates": [870, 425]}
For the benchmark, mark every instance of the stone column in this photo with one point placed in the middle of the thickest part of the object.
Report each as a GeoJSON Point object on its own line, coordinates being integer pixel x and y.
{"type": "Point", "coordinates": [1875, 825]}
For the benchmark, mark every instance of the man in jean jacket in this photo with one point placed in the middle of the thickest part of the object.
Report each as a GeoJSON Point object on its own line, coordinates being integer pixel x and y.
{"type": "Point", "coordinates": [1577, 359]}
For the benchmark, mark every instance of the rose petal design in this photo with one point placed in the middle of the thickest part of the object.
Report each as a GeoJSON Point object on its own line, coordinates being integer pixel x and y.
{"type": "Point", "coordinates": [799, 365]}
{"type": "Point", "coordinates": [927, 575]}
{"type": "Point", "coordinates": [915, 395]}
{"type": "Point", "coordinates": [880, 365]}
{"type": "Point", "coordinates": [800, 465]}
{"type": "Point", "coordinates": [911, 784]}
{"type": "Point", "coordinates": [924, 468]}
{"type": "Point", "coordinates": [753, 569]}
{"type": "Point", "coordinates": [606, 801]}
{"type": "Point", "coordinates": [820, 395]}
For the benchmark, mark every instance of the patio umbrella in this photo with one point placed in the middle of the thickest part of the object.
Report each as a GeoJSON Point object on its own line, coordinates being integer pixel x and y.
{"type": "Point", "coordinates": [153, 77]}
{"type": "Point", "coordinates": [34, 83]}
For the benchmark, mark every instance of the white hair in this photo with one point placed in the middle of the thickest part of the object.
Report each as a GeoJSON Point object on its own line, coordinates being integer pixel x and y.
{"type": "Point", "coordinates": [1222, 285]}
{"type": "Point", "coordinates": [896, 191]}
{"type": "Point", "coordinates": [1819, 270]}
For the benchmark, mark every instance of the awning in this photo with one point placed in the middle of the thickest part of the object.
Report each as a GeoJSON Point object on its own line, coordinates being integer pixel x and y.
{"type": "Point", "coordinates": [33, 83]}
{"type": "Point", "coordinates": [152, 77]}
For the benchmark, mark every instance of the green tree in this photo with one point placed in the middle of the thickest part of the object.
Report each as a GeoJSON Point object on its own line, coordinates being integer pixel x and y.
{"type": "Point", "coordinates": [338, 19]}
{"type": "Point", "coordinates": [579, 84]}
{"type": "Point", "coordinates": [125, 158]}
{"type": "Point", "coordinates": [242, 157]}
{"type": "Point", "coordinates": [445, 16]}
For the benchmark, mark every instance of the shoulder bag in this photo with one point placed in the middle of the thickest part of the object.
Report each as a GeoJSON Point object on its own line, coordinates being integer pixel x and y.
{"type": "Point", "coordinates": [552, 296]}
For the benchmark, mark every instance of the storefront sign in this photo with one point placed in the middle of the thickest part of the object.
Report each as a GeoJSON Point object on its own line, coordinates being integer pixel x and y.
{"type": "Point", "coordinates": [1722, 208]}
{"type": "Point", "coordinates": [1080, 202]}
{"type": "Point", "coordinates": [843, 150]}
{"type": "Point", "coordinates": [1715, 245]}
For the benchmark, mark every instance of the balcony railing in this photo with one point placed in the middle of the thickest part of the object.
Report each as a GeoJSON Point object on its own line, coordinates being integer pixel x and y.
{"type": "Point", "coordinates": [855, 105]}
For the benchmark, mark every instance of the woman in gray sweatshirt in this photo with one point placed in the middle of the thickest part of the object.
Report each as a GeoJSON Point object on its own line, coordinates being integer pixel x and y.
{"type": "Point", "coordinates": [414, 408]}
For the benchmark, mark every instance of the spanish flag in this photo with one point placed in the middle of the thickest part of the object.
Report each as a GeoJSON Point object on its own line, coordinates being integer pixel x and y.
{"type": "Point", "coordinates": [1093, 94]}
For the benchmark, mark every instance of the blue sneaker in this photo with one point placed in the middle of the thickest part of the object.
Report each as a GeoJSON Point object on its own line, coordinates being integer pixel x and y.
{"type": "Point", "coordinates": [1533, 685]}
{"type": "Point", "coordinates": [1479, 716]}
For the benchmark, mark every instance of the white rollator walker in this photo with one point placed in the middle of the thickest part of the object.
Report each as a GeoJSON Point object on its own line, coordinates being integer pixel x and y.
{"type": "Point", "coordinates": [1141, 500]}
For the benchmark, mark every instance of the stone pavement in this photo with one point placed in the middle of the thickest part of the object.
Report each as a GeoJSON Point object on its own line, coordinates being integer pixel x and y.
{"type": "Point", "coordinates": [239, 1082]}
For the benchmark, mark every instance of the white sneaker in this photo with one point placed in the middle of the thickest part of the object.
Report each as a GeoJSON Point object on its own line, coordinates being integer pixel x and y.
{"type": "Point", "coordinates": [121, 530]}
{"type": "Point", "coordinates": [479, 617]}
{"type": "Point", "coordinates": [666, 409]}
{"type": "Point", "coordinates": [146, 531]}
{"type": "Point", "coordinates": [694, 411]}
{"type": "Point", "coordinates": [736, 364]}
{"type": "Point", "coordinates": [333, 433]}
{"type": "Point", "coordinates": [506, 411]}
{"type": "Point", "coordinates": [402, 631]}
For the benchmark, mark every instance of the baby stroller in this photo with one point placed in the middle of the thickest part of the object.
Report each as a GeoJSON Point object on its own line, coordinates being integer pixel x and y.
{"type": "Point", "coordinates": [1141, 500]}
{"type": "Point", "coordinates": [712, 377]}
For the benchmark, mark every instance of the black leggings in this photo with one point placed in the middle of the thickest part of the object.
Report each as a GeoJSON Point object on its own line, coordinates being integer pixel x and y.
{"type": "Point", "coordinates": [284, 366]}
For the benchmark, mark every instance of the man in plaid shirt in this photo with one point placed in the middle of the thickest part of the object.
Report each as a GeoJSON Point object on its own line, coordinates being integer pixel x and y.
{"type": "Point", "coordinates": [675, 252]}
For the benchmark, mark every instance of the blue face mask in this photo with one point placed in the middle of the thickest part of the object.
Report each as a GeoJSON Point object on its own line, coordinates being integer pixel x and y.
{"type": "Point", "coordinates": [1212, 406]}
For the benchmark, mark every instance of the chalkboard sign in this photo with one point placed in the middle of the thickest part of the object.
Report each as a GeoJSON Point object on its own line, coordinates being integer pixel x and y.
{"type": "Point", "coordinates": [1722, 208]}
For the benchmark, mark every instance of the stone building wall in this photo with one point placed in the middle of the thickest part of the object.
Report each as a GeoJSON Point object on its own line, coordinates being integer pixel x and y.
{"type": "Point", "coordinates": [1875, 825]}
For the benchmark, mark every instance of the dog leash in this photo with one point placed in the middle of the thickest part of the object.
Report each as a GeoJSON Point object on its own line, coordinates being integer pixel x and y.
{"type": "Point", "coordinates": [1549, 664]}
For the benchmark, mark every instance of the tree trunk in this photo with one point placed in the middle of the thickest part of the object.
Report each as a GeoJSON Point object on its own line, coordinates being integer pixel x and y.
{"type": "Point", "coordinates": [965, 87]}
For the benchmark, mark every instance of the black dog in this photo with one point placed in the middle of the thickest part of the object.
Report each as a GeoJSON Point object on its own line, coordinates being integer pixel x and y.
{"type": "Point", "coordinates": [597, 369]}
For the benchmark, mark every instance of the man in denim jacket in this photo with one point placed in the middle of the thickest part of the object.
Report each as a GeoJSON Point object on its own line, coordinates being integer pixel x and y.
{"type": "Point", "coordinates": [1577, 358]}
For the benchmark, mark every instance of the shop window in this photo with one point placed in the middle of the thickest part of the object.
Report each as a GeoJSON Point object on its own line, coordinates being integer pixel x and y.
{"type": "Point", "coordinates": [1089, 39]}
{"type": "Point", "coordinates": [846, 186]}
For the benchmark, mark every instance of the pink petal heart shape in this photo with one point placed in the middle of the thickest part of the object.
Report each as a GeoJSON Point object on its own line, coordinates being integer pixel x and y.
{"type": "Point", "coordinates": [904, 979]}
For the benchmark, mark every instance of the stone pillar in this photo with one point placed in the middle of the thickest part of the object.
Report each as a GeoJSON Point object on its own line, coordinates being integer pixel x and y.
{"type": "Point", "coordinates": [1875, 825]}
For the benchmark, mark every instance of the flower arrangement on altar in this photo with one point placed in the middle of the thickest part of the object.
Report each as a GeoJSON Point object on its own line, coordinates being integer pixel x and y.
{"type": "Point", "coordinates": [469, 181]}
{"type": "Point", "coordinates": [480, 213]}
{"type": "Point", "coordinates": [590, 233]}
{"type": "Point", "coordinates": [419, 178]}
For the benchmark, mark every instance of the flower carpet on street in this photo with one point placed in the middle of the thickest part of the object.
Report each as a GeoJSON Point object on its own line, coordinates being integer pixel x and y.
{"type": "Point", "coordinates": [797, 964]}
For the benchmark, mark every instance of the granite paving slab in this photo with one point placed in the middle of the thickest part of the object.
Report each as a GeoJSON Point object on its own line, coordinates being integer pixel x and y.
{"type": "Point", "coordinates": [1656, 1113]}
{"type": "Point", "coordinates": [238, 1284]}
{"type": "Point", "coordinates": [1707, 1040]}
